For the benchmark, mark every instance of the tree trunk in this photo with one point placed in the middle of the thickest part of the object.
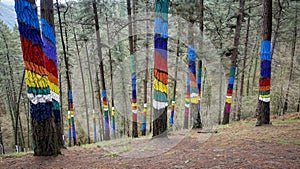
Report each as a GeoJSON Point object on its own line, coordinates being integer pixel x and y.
{"type": "Point", "coordinates": [285, 107]}
{"type": "Point", "coordinates": [160, 68]}
{"type": "Point", "coordinates": [133, 73]}
{"type": "Point", "coordinates": [187, 103]}
{"type": "Point", "coordinates": [144, 119]}
{"type": "Point", "coordinates": [240, 102]}
{"type": "Point", "coordinates": [263, 107]}
{"type": "Point", "coordinates": [1, 143]}
{"type": "Point", "coordinates": [83, 86]}
{"type": "Point", "coordinates": [233, 62]}
{"type": "Point", "coordinates": [104, 96]}
{"type": "Point", "coordinates": [69, 87]}
{"type": "Point", "coordinates": [44, 129]}
{"type": "Point", "coordinates": [48, 37]}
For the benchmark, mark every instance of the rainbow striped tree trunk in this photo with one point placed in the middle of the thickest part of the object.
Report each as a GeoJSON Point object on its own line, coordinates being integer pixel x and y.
{"type": "Point", "coordinates": [49, 48]}
{"type": "Point", "coordinates": [72, 119]}
{"type": "Point", "coordinates": [193, 85]}
{"type": "Point", "coordinates": [36, 75]}
{"type": "Point", "coordinates": [187, 103]}
{"type": "Point", "coordinates": [229, 95]}
{"type": "Point", "coordinates": [160, 102]}
{"type": "Point", "coordinates": [197, 122]}
{"type": "Point", "coordinates": [133, 73]}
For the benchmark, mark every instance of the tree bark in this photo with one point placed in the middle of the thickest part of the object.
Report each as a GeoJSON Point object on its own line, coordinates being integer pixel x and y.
{"type": "Point", "coordinates": [160, 69]}
{"type": "Point", "coordinates": [133, 73]}
{"type": "Point", "coordinates": [285, 107]}
{"type": "Point", "coordinates": [240, 102]}
{"type": "Point", "coordinates": [234, 58]}
{"type": "Point", "coordinates": [104, 95]}
{"type": "Point", "coordinates": [263, 107]}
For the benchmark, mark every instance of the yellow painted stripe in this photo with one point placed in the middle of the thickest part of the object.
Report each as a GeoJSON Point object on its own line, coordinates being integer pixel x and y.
{"type": "Point", "coordinates": [35, 80]}
{"type": "Point", "coordinates": [160, 86]}
{"type": "Point", "coordinates": [133, 104]}
{"type": "Point", "coordinates": [228, 100]}
{"type": "Point", "coordinates": [112, 112]}
{"type": "Point", "coordinates": [264, 96]}
{"type": "Point", "coordinates": [194, 100]}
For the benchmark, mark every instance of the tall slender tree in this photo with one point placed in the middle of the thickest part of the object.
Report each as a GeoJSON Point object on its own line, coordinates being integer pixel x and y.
{"type": "Point", "coordinates": [286, 101]}
{"type": "Point", "coordinates": [263, 107]}
{"type": "Point", "coordinates": [104, 95]}
{"type": "Point", "coordinates": [133, 73]}
{"type": "Point", "coordinates": [36, 73]}
{"type": "Point", "coordinates": [68, 77]}
{"type": "Point", "coordinates": [160, 81]}
{"type": "Point", "coordinates": [233, 66]}
{"type": "Point", "coordinates": [144, 119]}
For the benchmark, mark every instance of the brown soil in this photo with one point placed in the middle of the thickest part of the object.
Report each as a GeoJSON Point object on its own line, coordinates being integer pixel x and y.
{"type": "Point", "coordinates": [238, 145]}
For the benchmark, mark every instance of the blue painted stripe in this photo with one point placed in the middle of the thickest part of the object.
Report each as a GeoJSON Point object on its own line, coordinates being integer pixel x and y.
{"type": "Point", "coordinates": [231, 80]}
{"type": "Point", "coordinates": [31, 34]}
{"type": "Point", "coordinates": [192, 67]}
{"type": "Point", "coordinates": [70, 95]}
{"type": "Point", "coordinates": [40, 111]}
{"type": "Point", "coordinates": [26, 13]}
{"type": "Point", "coordinates": [103, 93]}
{"type": "Point", "coordinates": [160, 46]}
{"type": "Point", "coordinates": [161, 27]}
{"type": "Point", "coordinates": [73, 130]}
{"type": "Point", "coordinates": [265, 67]}
{"type": "Point", "coordinates": [265, 53]}
{"type": "Point", "coordinates": [47, 30]}
{"type": "Point", "coordinates": [191, 53]}
{"type": "Point", "coordinates": [106, 124]}
{"type": "Point", "coordinates": [49, 50]}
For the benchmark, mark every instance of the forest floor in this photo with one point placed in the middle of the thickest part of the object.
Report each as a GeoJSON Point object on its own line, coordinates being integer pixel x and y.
{"type": "Point", "coordinates": [237, 145]}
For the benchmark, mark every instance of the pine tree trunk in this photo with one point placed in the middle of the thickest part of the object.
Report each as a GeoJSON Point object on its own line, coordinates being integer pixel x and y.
{"type": "Point", "coordinates": [44, 129]}
{"type": "Point", "coordinates": [263, 107]}
{"type": "Point", "coordinates": [1, 143]}
{"type": "Point", "coordinates": [144, 119]}
{"type": "Point", "coordinates": [104, 95]}
{"type": "Point", "coordinates": [133, 73]}
{"type": "Point", "coordinates": [240, 102]}
{"type": "Point", "coordinates": [285, 107]}
{"type": "Point", "coordinates": [83, 86]}
{"type": "Point", "coordinates": [234, 58]}
{"type": "Point", "coordinates": [160, 69]}
{"type": "Point", "coordinates": [69, 87]}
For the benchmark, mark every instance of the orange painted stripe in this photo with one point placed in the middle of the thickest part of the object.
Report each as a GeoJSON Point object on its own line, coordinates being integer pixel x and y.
{"type": "Point", "coordinates": [264, 88]}
{"type": "Point", "coordinates": [161, 76]}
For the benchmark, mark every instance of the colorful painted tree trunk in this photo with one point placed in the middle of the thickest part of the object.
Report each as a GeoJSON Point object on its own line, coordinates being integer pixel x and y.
{"type": "Point", "coordinates": [49, 49]}
{"type": "Point", "coordinates": [71, 125]}
{"type": "Point", "coordinates": [229, 95]}
{"type": "Point", "coordinates": [175, 82]}
{"type": "Point", "coordinates": [99, 52]}
{"type": "Point", "coordinates": [133, 73]}
{"type": "Point", "coordinates": [187, 103]}
{"type": "Point", "coordinates": [160, 102]}
{"type": "Point", "coordinates": [197, 122]}
{"type": "Point", "coordinates": [263, 107]}
{"type": "Point", "coordinates": [193, 85]}
{"type": "Point", "coordinates": [37, 81]}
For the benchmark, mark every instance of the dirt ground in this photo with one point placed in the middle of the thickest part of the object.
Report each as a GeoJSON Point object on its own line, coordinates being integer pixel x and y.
{"type": "Point", "coordinates": [237, 145]}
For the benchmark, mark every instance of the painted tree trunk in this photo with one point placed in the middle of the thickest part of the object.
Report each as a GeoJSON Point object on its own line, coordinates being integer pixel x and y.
{"type": "Point", "coordinates": [144, 119]}
{"type": "Point", "coordinates": [133, 73]}
{"type": "Point", "coordinates": [113, 122]}
{"type": "Point", "coordinates": [233, 62]}
{"type": "Point", "coordinates": [160, 81]}
{"type": "Point", "coordinates": [36, 73]}
{"type": "Point", "coordinates": [197, 122]}
{"type": "Point", "coordinates": [175, 82]}
{"type": "Point", "coordinates": [187, 103]}
{"type": "Point", "coordinates": [104, 95]}
{"type": "Point", "coordinates": [69, 87]}
{"type": "Point", "coordinates": [263, 107]}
